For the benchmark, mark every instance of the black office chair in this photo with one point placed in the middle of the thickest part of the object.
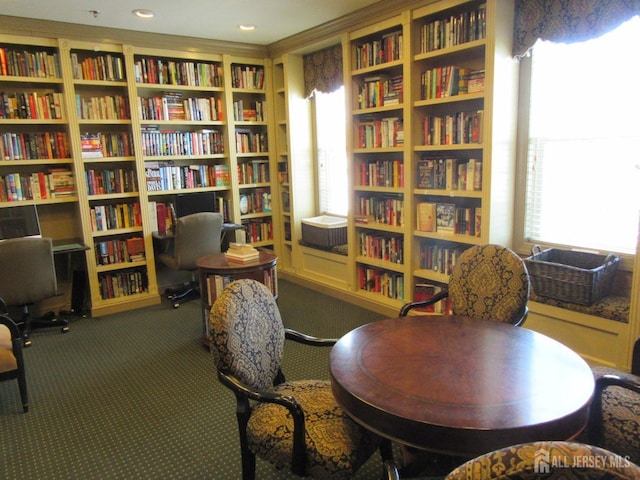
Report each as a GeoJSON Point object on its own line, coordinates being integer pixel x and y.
{"type": "Point", "coordinates": [195, 236]}
{"type": "Point", "coordinates": [29, 276]}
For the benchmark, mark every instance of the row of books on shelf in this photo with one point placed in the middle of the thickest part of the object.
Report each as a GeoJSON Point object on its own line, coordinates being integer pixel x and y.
{"type": "Point", "coordinates": [449, 219]}
{"type": "Point", "coordinates": [247, 76]}
{"type": "Point", "coordinates": [426, 291]}
{"type": "Point", "coordinates": [117, 180]}
{"type": "Point", "coordinates": [162, 217]}
{"type": "Point", "coordinates": [386, 209]}
{"type": "Point", "coordinates": [449, 173]}
{"type": "Point", "coordinates": [439, 257]}
{"type": "Point", "coordinates": [31, 105]}
{"type": "Point", "coordinates": [161, 176]}
{"type": "Point", "coordinates": [34, 146]}
{"type": "Point", "coordinates": [382, 282]}
{"type": "Point", "coordinates": [217, 283]}
{"type": "Point", "coordinates": [255, 201]}
{"type": "Point", "coordinates": [115, 216]}
{"type": "Point", "coordinates": [456, 29]}
{"type": "Point", "coordinates": [454, 129]}
{"type": "Point", "coordinates": [450, 81]}
{"type": "Point", "coordinates": [283, 172]}
{"type": "Point", "coordinates": [388, 248]}
{"type": "Point", "coordinates": [258, 230]}
{"type": "Point", "coordinates": [157, 142]}
{"type": "Point", "coordinates": [248, 141]}
{"type": "Point", "coordinates": [380, 90]}
{"type": "Point", "coordinates": [382, 173]}
{"type": "Point", "coordinates": [106, 67]}
{"type": "Point", "coordinates": [172, 106]}
{"type": "Point", "coordinates": [375, 52]}
{"type": "Point", "coordinates": [241, 253]}
{"type": "Point", "coordinates": [121, 284]}
{"type": "Point", "coordinates": [253, 171]}
{"type": "Point", "coordinates": [380, 133]}
{"type": "Point", "coordinates": [177, 72]}
{"type": "Point", "coordinates": [110, 252]}
{"type": "Point", "coordinates": [56, 183]}
{"type": "Point", "coordinates": [107, 107]}
{"type": "Point", "coordinates": [104, 145]}
{"type": "Point", "coordinates": [244, 111]}
{"type": "Point", "coordinates": [20, 62]}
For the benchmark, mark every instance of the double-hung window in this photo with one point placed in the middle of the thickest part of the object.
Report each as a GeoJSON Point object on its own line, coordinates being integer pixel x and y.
{"type": "Point", "coordinates": [580, 152]}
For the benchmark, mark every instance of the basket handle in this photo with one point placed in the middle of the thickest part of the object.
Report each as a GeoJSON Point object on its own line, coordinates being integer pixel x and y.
{"type": "Point", "coordinates": [610, 258]}
{"type": "Point", "coordinates": [536, 249]}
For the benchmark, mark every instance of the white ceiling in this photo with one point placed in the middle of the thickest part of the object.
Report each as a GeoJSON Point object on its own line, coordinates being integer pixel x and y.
{"type": "Point", "coordinates": [210, 19]}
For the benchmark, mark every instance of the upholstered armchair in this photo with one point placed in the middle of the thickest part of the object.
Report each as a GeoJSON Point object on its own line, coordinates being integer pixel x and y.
{"type": "Point", "coordinates": [295, 425]}
{"type": "Point", "coordinates": [615, 410]}
{"type": "Point", "coordinates": [11, 360]}
{"type": "Point", "coordinates": [488, 282]}
{"type": "Point", "coordinates": [547, 460]}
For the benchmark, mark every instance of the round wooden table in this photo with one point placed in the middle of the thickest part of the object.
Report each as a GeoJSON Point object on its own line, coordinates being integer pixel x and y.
{"type": "Point", "coordinates": [460, 386]}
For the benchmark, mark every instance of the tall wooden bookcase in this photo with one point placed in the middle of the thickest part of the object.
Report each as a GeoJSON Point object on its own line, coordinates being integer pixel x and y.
{"type": "Point", "coordinates": [415, 141]}
{"type": "Point", "coordinates": [294, 157]}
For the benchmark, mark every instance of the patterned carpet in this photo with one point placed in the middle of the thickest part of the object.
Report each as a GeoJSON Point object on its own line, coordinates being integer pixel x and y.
{"type": "Point", "coordinates": [135, 396]}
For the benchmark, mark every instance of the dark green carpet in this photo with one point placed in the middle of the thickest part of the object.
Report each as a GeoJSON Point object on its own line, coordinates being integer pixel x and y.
{"type": "Point", "coordinates": [135, 395]}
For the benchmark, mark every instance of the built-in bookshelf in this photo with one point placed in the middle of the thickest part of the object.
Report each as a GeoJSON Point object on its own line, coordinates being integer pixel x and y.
{"type": "Point", "coordinates": [181, 106]}
{"type": "Point", "coordinates": [376, 76]}
{"type": "Point", "coordinates": [460, 158]}
{"type": "Point", "coordinates": [120, 265]}
{"type": "Point", "coordinates": [250, 89]}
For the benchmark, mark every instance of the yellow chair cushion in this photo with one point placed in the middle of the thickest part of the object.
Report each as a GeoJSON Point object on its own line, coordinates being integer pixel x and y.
{"type": "Point", "coordinates": [7, 359]}
{"type": "Point", "coordinates": [336, 446]}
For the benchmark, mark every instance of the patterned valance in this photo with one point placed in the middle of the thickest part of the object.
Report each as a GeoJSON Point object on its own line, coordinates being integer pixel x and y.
{"type": "Point", "coordinates": [567, 20]}
{"type": "Point", "coordinates": [323, 70]}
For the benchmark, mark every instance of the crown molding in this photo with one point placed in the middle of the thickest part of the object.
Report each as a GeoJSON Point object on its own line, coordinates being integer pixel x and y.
{"type": "Point", "coordinates": [49, 29]}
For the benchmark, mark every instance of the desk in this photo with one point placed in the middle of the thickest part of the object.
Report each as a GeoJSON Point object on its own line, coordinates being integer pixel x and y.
{"type": "Point", "coordinates": [460, 386]}
{"type": "Point", "coordinates": [215, 273]}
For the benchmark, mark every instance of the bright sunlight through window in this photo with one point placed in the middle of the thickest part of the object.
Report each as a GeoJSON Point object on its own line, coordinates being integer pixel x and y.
{"type": "Point", "coordinates": [333, 191]}
{"type": "Point", "coordinates": [583, 174]}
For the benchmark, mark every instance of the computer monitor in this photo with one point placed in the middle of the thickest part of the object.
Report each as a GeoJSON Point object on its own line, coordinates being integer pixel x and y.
{"type": "Point", "coordinates": [188, 203]}
{"type": "Point", "coordinates": [19, 221]}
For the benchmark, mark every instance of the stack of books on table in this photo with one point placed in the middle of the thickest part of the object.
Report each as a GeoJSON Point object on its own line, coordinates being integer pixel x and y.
{"type": "Point", "coordinates": [242, 252]}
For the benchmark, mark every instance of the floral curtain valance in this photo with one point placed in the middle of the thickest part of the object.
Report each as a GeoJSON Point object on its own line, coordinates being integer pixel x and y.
{"type": "Point", "coordinates": [567, 20]}
{"type": "Point", "coordinates": [323, 70]}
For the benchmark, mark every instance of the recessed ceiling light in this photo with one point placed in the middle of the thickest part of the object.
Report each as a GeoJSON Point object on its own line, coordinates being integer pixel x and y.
{"type": "Point", "coordinates": [143, 13]}
{"type": "Point", "coordinates": [247, 28]}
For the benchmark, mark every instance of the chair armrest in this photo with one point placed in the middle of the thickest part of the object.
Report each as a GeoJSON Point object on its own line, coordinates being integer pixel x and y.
{"type": "Point", "coordinates": [308, 339]}
{"type": "Point", "coordinates": [604, 378]}
{"type": "Point", "coordinates": [3, 306]}
{"type": "Point", "coordinates": [11, 325]}
{"type": "Point", "coordinates": [243, 391]}
{"type": "Point", "coordinates": [423, 303]}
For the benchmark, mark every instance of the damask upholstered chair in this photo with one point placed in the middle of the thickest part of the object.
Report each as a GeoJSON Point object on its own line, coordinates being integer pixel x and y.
{"type": "Point", "coordinates": [294, 425]}
{"type": "Point", "coordinates": [615, 410]}
{"type": "Point", "coordinates": [11, 360]}
{"type": "Point", "coordinates": [547, 460]}
{"type": "Point", "coordinates": [488, 282]}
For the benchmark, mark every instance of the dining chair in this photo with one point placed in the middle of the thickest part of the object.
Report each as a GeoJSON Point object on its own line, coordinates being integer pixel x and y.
{"type": "Point", "coordinates": [295, 425]}
{"type": "Point", "coordinates": [11, 359]}
{"type": "Point", "coordinates": [547, 460]}
{"type": "Point", "coordinates": [614, 421]}
{"type": "Point", "coordinates": [488, 282]}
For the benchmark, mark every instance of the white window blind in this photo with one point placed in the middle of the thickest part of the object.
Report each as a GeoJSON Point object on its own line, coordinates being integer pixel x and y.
{"type": "Point", "coordinates": [583, 165]}
{"type": "Point", "coordinates": [333, 188]}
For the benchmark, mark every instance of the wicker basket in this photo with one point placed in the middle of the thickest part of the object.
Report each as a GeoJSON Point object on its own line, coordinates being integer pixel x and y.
{"type": "Point", "coordinates": [575, 277]}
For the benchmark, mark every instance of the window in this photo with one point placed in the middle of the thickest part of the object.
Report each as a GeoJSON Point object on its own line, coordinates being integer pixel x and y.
{"type": "Point", "coordinates": [583, 145]}
{"type": "Point", "coordinates": [333, 188]}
